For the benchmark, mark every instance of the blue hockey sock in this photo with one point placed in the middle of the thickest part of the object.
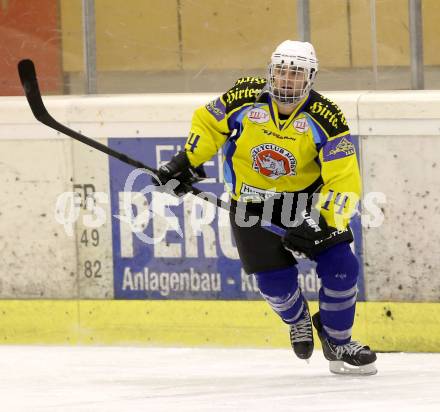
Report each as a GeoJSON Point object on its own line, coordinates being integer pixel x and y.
{"type": "Point", "coordinates": [338, 269]}
{"type": "Point", "coordinates": [280, 290]}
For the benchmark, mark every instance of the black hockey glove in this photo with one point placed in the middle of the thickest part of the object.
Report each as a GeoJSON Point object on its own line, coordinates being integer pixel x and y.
{"type": "Point", "coordinates": [311, 238]}
{"type": "Point", "coordinates": [180, 169]}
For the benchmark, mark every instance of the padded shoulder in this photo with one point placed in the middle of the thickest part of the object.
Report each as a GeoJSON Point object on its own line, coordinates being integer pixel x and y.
{"type": "Point", "coordinates": [327, 114]}
{"type": "Point", "coordinates": [245, 90]}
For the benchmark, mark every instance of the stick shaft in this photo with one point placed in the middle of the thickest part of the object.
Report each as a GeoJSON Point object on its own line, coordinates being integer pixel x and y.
{"type": "Point", "coordinates": [28, 77]}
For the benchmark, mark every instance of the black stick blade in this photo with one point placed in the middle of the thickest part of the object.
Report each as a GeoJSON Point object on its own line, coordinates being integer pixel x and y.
{"type": "Point", "coordinates": [28, 78]}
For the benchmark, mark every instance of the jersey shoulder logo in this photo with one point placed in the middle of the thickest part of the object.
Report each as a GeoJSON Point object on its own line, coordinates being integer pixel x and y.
{"type": "Point", "coordinates": [273, 161]}
{"type": "Point", "coordinates": [344, 146]}
{"type": "Point", "coordinates": [244, 91]}
{"type": "Point", "coordinates": [327, 114]}
{"type": "Point", "coordinates": [338, 148]}
{"type": "Point", "coordinates": [217, 109]}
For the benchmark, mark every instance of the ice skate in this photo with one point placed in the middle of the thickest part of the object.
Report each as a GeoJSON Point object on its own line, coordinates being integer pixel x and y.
{"type": "Point", "coordinates": [352, 358]}
{"type": "Point", "coordinates": [301, 336]}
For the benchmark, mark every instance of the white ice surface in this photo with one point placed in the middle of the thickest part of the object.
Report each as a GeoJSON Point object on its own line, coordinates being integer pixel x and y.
{"type": "Point", "coordinates": [152, 379]}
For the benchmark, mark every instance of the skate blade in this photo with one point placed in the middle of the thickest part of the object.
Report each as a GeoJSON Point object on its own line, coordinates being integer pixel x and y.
{"type": "Point", "coordinates": [341, 368]}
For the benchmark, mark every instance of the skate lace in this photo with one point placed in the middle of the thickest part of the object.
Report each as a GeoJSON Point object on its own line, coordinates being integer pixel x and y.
{"type": "Point", "coordinates": [351, 348]}
{"type": "Point", "coordinates": [301, 331]}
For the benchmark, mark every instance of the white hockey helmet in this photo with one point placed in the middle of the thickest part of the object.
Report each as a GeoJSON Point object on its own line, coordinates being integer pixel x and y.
{"type": "Point", "coordinates": [292, 71]}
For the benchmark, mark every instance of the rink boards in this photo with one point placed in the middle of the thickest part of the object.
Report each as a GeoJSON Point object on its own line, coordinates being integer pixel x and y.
{"type": "Point", "coordinates": [99, 258]}
{"type": "Point", "coordinates": [385, 326]}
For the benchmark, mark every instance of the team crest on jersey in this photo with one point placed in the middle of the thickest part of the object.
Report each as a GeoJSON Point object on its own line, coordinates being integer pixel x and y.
{"type": "Point", "coordinates": [301, 125]}
{"type": "Point", "coordinates": [257, 115]}
{"type": "Point", "coordinates": [273, 161]}
{"type": "Point", "coordinates": [339, 148]}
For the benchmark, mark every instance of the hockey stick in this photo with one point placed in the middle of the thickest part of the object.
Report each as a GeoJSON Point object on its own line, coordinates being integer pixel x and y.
{"type": "Point", "coordinates": [28, 78]}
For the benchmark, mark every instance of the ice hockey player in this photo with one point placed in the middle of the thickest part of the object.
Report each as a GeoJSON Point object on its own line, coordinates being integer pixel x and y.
{"type": "Point", "coordinates": [280, 137]}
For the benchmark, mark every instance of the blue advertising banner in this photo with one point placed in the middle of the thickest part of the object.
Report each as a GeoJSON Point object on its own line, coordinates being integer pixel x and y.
{"type": "Point", "coordinates": [191, 253]}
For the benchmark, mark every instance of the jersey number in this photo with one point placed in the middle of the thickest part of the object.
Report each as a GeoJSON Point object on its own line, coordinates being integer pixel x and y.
{"type": "Point", "coordinates": [192, 141]}
{"type": "Point", "coordinates": [339, 200]}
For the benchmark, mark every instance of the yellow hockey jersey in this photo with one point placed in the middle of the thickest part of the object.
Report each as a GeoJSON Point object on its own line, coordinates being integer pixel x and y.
{"type": "Point", "coordinates": [263, 154]}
